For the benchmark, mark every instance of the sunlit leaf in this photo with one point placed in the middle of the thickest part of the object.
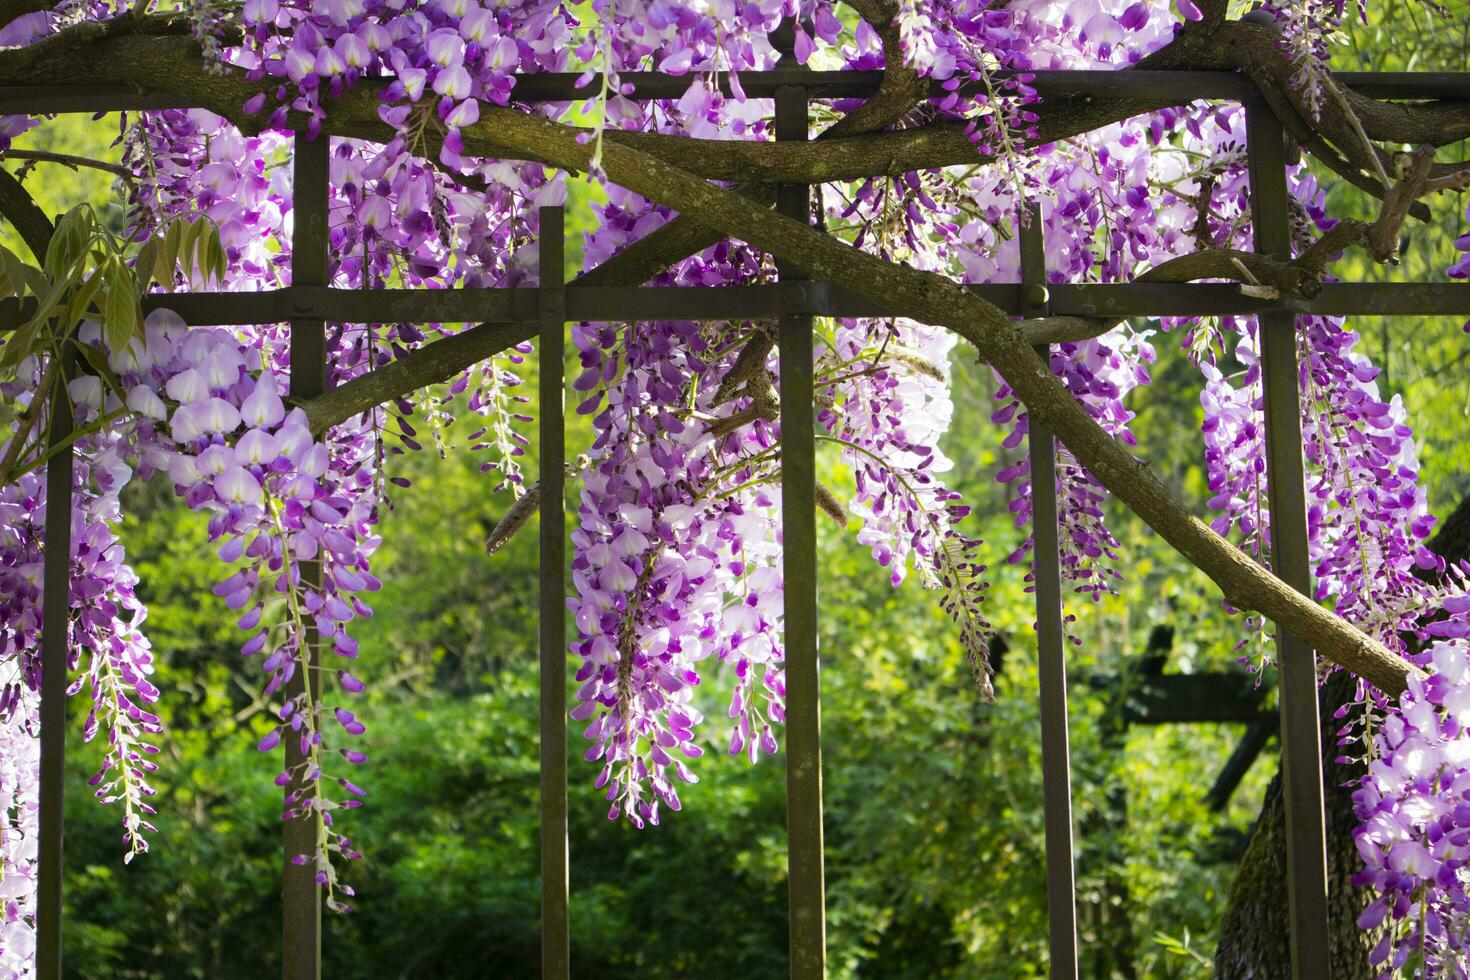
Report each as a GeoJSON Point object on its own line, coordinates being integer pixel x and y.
{"type": "Point", "coordinates": [173, 238]}
{"type": "Point", "coordinates": [81, 299]}
{"type": "Point", "coordinates": [146, 262]}
{"type": "Point", "coordinates": [69, 242]}
{"type": "Point", "coordinates": [120, 315]}
{"type": "Point", "coordinates": [19, 345]}
{"type": "Point", "coordinates": [14, 271]}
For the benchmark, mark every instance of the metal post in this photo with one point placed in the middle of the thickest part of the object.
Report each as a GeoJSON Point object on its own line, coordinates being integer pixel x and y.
{"type": "Point", "coordinates": [1301, 724]}
{"type": "Point", "coordinates": [301, 904]}
{"type": "Point", "coordinates": [55, 660]}
{"type": "Point", "coordinates": [555, 920]}
{"type": "Point", "coordinates": [799, 566]}
{"type": "Point", "coordinates": [1056, 760]}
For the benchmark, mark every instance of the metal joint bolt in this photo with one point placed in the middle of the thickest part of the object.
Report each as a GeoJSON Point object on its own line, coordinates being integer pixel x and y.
{"type": "Point", "coordinates": [794, 297]}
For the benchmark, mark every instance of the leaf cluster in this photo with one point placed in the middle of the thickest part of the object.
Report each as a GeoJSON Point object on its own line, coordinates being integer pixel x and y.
{"type": "Point", "coordinates": [90, 272]}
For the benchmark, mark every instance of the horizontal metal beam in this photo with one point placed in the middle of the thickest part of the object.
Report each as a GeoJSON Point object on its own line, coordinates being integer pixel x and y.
{"type": "Point", "coordinates": [1184, 698]}
{"type": "Point", "coordinates": [635, 303]}
{"type": "Point", "coordinates": [617, 303]}
{"type": "Point", "coordinates": [35, 100]}
{"type": "Point", "coordinates": [567, 87]}
{"type": "Point", "coordinates": [1065, 83]}
{"type": "Point", "coordinates": [1226, 299]}
{"type": "Point", "coordinates": [1407, 85]}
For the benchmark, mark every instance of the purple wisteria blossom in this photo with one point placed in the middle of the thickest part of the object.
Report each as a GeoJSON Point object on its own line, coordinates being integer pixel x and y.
{"type": "Point", "coordinates": [1414, 805]}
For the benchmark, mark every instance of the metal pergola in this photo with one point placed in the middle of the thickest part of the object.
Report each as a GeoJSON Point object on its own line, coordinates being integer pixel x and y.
{"type": "Point", "coordinates": [311, 301]}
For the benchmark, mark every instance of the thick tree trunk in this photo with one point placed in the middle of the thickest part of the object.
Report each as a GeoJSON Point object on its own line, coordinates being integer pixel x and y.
{"type": "Point", "coordinates": [1254, 935]}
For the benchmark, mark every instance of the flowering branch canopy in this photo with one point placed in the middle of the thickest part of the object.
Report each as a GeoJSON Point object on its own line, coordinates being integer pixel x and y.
{"type": "Point", "coordinates": [437, 169]}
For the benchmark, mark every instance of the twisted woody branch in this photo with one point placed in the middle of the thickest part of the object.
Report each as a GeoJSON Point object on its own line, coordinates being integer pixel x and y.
{"type": "Point", "coordinates": [143, 53]}
{"type": "Point", "coordinates": [35, 229]}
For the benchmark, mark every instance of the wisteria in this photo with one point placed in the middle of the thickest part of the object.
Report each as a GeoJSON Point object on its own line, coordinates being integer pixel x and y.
{"type": "Point", "coordinates": [677, 550]}
{"type": "Point", "coordinates": [20, 811]}
{"type": "Point", "coordinates": [1415, 836]}
{"type": "Point", "coordinates": [1308, 30]}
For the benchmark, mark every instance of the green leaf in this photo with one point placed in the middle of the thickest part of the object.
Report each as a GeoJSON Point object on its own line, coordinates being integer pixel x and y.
{"type": "Point", "coordinates": [173, 238]}
{"type": "Point", "coordinates": [69, 242]}
{"type": "Point", "coordinates": [120, 315]}
{"type": "Point", "coordinates": [191, 251]}
{"type": "Point", "coordinates": [207, 249]}
{"type": "Point", "coordinates": [20, 345]}
{"type": "Point", "coordinates": [221, 257]}
{"type": "Point", "coordinates": [14, 271]}
{"type": "Point", "coordinates": [51, 297]}
{"type": "Point", "coordinates": [81, 300]}
{"type": "Point", "coordinates": [145, 263]}
{"type": "Point", "coordinates": [37, 282]}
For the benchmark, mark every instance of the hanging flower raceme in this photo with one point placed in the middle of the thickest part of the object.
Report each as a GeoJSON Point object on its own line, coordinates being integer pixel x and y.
{"type": "Point", "coordinates": [1414, 805]}
{"type": "Point", "coordinates": [20, 808]}
{"type": "Point", "coordinates": [106, 644]}
{"type": "Point", "coordinates": [884, 393]}
{"type": "Point", "coordinates": [677, 559]}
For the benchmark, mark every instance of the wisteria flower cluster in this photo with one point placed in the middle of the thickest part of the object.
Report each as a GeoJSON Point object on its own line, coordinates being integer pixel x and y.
{"type": "Point", "coordinates": [1415, 835]}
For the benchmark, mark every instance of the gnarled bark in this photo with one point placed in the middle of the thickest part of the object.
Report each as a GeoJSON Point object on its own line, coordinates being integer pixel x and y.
{"type": "Point", "coordinates": [1254, 934]}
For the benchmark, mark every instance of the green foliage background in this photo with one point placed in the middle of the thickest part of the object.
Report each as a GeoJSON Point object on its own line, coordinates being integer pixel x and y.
{"type": "Point", "coordinates": [934, 814]}
{"type": "Point", "coordinates": [934, 799]}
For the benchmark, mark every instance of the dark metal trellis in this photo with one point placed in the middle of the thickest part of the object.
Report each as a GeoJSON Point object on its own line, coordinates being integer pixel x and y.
{"type": "Point", "coordinates": [1301, 724]}
{"type": "Point", "coordinates": [1051, 641]}
{"type": "Point", "coordinates": [808, 902]}
{"type": "Point", "coordinates": [310, 301]}
{"type": "Point", "coordinates": [555, 866]}
{"type": "Point", "coordinates": [55, 616]}
{"type": "Point", "coordinates": [301, 934]}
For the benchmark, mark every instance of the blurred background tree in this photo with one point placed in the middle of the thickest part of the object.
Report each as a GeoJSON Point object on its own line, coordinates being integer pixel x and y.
{"type": "Point", "coordinates": [934, 818]}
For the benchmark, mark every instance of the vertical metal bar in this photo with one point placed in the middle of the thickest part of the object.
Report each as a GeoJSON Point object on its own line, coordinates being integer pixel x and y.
{"type": "Point", "coordinates": [804, 842]}
{"type": "Point", "coordinates": [55, 657]}
{"type": "Point", "coordinates": [1056, 761]}
{"type": "Point", "coordinates": [301, 906]}
{"type": "Point", "coordinates": [1301, 725]}
{"type": "Point", "coordinates": [555, 919]}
